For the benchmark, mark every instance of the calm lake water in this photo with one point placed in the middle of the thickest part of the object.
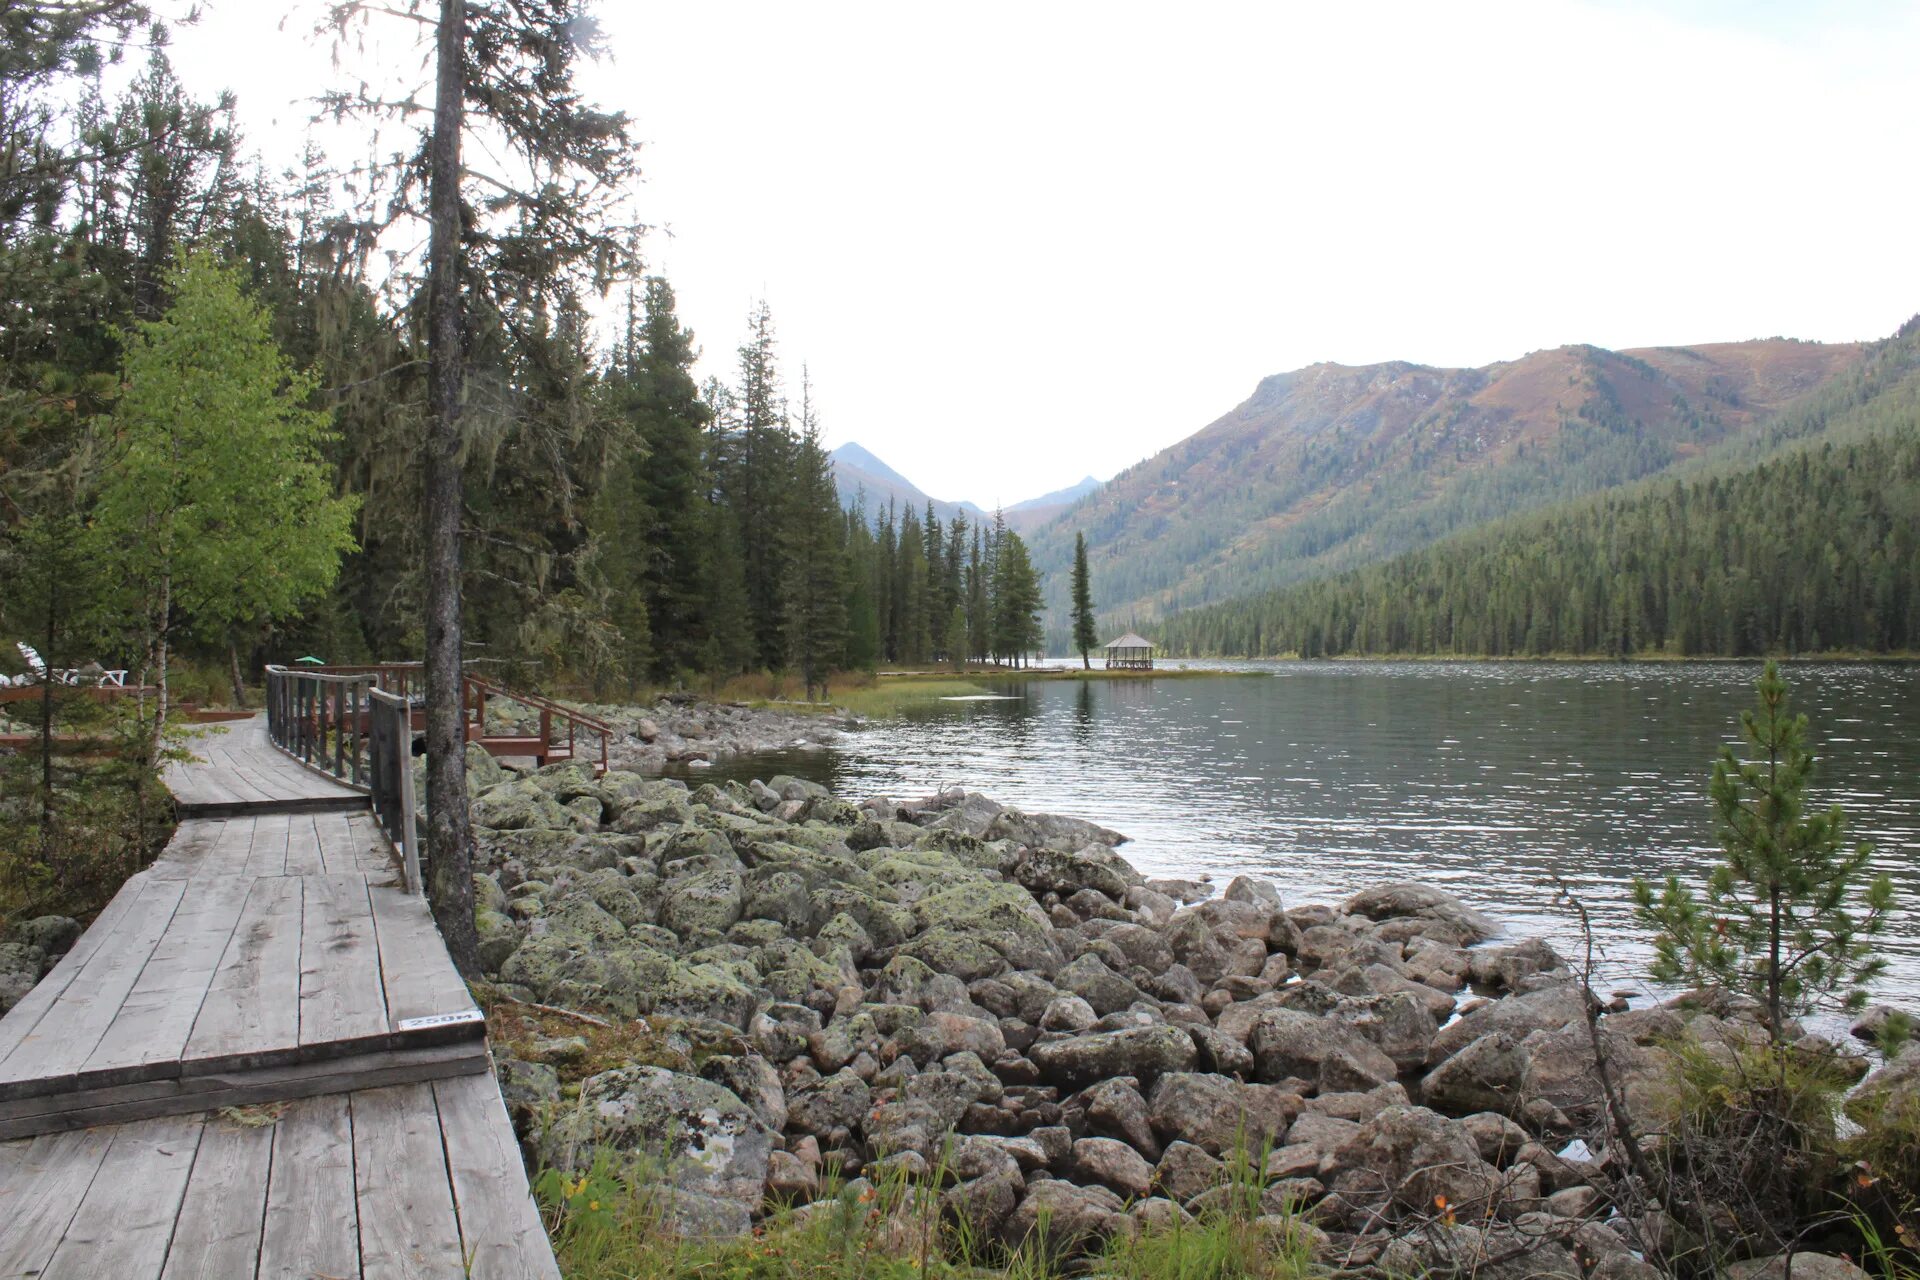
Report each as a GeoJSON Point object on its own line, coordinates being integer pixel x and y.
{"type": "Point", "coordinates": [1488, 779]}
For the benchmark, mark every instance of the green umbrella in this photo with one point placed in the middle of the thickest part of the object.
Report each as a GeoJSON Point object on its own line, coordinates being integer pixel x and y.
{"type": "Point", "coordinates": [312, 661]}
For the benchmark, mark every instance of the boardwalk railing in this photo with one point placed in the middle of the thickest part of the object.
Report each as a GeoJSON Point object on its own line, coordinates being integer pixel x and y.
{"type": "Point", "coordinates": [390, 747]}
{"type": "Point", "coordinates": [344, 724]}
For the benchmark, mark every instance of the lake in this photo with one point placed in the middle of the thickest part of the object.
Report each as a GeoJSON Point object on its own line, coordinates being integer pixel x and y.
{"type": "Point", "coordinates": [1489, 779]}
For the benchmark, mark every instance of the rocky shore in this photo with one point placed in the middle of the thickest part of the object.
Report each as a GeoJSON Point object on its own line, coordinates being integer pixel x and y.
{"type": "Point", "coordinates": [997, 1007]}
{"type": "Point", "coordinates": [688, 732]}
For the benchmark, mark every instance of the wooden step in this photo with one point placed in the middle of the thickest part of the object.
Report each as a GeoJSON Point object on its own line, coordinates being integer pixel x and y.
{"type": "Point", "coordinates": [212, 1089]}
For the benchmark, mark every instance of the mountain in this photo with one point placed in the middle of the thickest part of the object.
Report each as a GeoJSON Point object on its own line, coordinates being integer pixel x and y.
{"type": "Point", "coordinates": [1801, 537]}
{"type": "Point", "coordinates": [857, 470]}
{"type": "Point", "coordinates": [1024, 517]}
{"type": "Point", "coordinates": [1332, 466]}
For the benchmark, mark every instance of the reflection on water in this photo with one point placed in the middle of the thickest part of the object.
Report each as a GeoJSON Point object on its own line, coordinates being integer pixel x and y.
{"type": "Point", "coordinates": [1490, 779]}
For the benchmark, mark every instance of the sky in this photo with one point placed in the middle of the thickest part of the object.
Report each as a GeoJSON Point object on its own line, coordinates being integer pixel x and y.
{"type": "Point", "coordinates": [1018, 243]}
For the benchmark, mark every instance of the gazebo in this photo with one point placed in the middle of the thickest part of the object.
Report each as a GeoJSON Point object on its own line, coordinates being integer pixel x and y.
{"type": "Point", "coordinates": [1130, 653]}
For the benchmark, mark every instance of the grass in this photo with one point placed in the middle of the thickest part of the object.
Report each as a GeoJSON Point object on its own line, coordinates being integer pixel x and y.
{"type": "Point", "coordinates": [606, 1225]}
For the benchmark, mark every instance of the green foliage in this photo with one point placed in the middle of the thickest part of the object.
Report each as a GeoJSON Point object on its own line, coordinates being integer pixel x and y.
{"type": "Point", "coordinates": [214, 491]}
{"type": "Point", "coordinates": [1750, 1149]}
{"type": "Point", "coordinates": [1789, 918]}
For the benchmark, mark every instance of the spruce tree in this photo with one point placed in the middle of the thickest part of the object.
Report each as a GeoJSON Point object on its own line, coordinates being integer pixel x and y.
{"type": "Point", "coordinates": [1790, 917]}
{"type": "Point", "coordinates": [671, 480]}
{"type": "Point", "coordinates": [863, 613]}
{"type": "Point", "coordinates": [816, 595]}
{"type": "Point", "coordinates": [1084, 635]}
{"type": "Point", "coordinates": [1016, 601]}
{"type": "Point", "coordinates": [760, 487]}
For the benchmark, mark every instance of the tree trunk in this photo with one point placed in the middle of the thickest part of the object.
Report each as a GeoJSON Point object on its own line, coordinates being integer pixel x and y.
{"type": "Point", "coordinates": [233, 671]}
{"type": "Point", "coordinates": [160, 673]}
{"type": "Point", "coordinates": [449, 835]}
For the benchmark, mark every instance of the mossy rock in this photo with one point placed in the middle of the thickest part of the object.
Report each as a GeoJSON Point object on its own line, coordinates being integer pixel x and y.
{"type": "Point", "coordinates": [982, 907]}
{"type": "Point", "coordinates": [964, 955]}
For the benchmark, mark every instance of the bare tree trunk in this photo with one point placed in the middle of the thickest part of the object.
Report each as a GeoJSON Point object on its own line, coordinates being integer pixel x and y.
{"type": "Point", "coordinates": [160, 672]}
{"type": "Point", "coordinates": [449, 835]}
{"type": "Point", "coordinates": [233, 671]}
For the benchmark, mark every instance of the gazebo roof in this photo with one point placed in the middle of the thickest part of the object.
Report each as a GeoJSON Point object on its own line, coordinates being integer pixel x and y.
{"type": "Point", "coordinates": [1130, 641]}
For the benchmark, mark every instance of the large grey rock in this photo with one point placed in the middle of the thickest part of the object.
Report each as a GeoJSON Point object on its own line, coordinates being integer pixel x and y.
{"type": "Point", "coordinates": [1115, 1109]}
{"type": "Point", "coordinates": [683, 1131]}
{"type": "Point", "coordinates": [1289, 1044]}
{"type": "Point", "coordinates": [1490, 1074]}
{"type": "Point", "coordinates": [1219, 1115]}
{"type": "Point", "coordinates": [1547, 1009]}
{"type": "Point", "coordinates": [1797, 1266]}
{"type": "Point", "coordinates": [1058, 1217]}
{"type": "Point", "coordinates": [1112, 1163]}
{"type": "Point", "coordinates": [1421, 902]}
{"type": "Point", "coordinates": [1143, 1053]}
{"type": "Point", "coordinates": [710, 900]}
{"type": "Point", "coordinates": [1186, 1172]}
{"type": "Point", "coordinates": [19, 970]}
{"type": "Point", "coordinates": [1404, 1159]}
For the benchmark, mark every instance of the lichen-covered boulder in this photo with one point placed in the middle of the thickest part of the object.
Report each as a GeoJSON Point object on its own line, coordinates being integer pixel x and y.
{"type": "Point", "coordinates": [1219, 1115]}
{"type": "Point", "coordinates": [1145, 1053]}
{"type": "Point", "coordinates": [1058, 1217]}
{"type": "Point", "coordinates": [519, 805]}
{"type": "Point", "coordinates": [676, 1129]}
{"type": "Point", "coordinates": [981, 907]}
{"type": "Point", "coordinates": [1288, 1044]}
{"type": "Point", "coordinates": [1112, 1163]}
{"type": "Point", "coordinates": [711, 899]}
{"type": "Point", "coordinates": [1406, 900]}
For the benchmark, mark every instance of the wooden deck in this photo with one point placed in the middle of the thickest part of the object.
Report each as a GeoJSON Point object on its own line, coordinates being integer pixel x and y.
{"type": "Point", "coordinates": [407, 1180]}
{"type": "Point", "coordinates": [268, 961]}
{"type": "Point", "coordinates": [239, 772]}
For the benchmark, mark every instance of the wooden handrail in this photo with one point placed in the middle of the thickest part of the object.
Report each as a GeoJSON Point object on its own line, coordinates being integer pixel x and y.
{"type": "Point", "coordinates": [343, 724]}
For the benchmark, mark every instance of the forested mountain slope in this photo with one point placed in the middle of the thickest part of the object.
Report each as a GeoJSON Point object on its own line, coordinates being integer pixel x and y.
{"type": "Point", "coordinates": [1332, 466]}
{"type": "Point", "coordinates": [1814, 547]}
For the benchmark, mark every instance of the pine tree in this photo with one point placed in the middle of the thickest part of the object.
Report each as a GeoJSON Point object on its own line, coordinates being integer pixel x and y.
{"type": "Point", "coordinates": [1084, 635]}
{"type": "Point", "coordinates": [1790, 917]}
{"type": "Point", "coordinates": [816, 601]}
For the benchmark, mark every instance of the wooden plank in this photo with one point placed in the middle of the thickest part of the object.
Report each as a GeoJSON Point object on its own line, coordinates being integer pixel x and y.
{"type": "Point", "coordinates": [194, 841]}
{"type": "Point", "coordinates": [241, 1086]}
{"type": "Point", "coordinates": [23, 1017]}
{"type": "Point", "coordinates": [42, 1183]}
{"type": "Point", "coordinates": [158, 1014]}
{"type": "Point", "coordinates": [218, 1231]}
{"type": "Point", "coordinates": [418, 974]}
{"type": "Point", "coordinates": [68, 1031]}
{"type": "Point", "coordinates": [126, 1220]}
{"type": "Point", "coordinates": [353, 842]}
{"type": "Point", "coordinates": [340, 991]}
{"type": "Point", "coordinates": [311, 1227]}
{"type": "Point", "coordinates": [267, 855]}
{"type": "Point", "coordinates": [407, 1226]}
{"type": "Point", "coordinates": [303, 847]}
{"type": "Point", "coordinates": [253, 1003]}
{"type": "Point", "coordinates": [500, 1229]}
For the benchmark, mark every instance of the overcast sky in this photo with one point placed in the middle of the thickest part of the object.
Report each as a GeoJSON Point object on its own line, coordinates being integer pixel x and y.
{"type": "Point", "coordinates": [1021, 242]}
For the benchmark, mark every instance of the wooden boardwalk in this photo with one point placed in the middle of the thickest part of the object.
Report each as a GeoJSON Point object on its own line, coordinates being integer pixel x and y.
{"type": "Point", "coordinates": [259, 1061]}
{"type": "Point", "coordinates": [240, 772]}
